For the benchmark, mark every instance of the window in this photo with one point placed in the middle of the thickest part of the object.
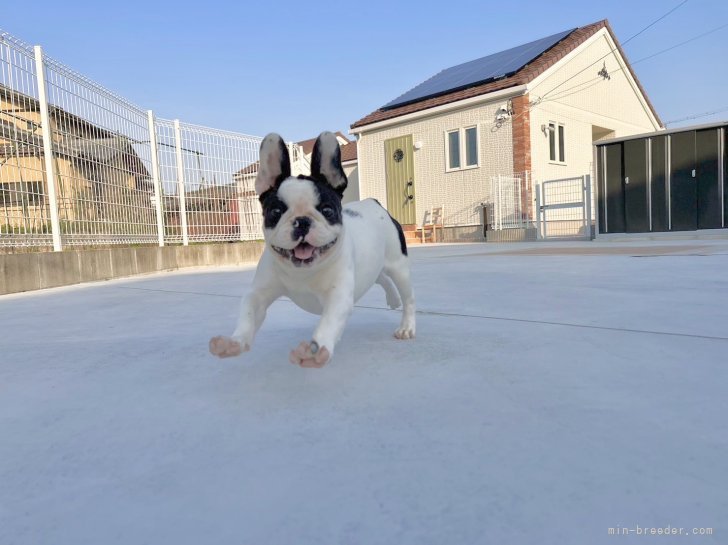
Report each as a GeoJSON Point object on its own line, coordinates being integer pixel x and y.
{"type": "Point", "coordinates": [461, 156]}
{"type": "Point", "coordinates": [471, 147]}
{"type": "Point", "coordinates": [453, 150]}
{"type": "Point", "coordinates": [21, 193]}
{"type": "Point", "coordinates": [556, 143]}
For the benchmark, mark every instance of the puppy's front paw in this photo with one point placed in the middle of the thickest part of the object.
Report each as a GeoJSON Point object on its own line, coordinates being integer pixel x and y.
{"type": "Point", "coordinates": [303, 355]}
{"type": "Point", "coordinates": [405, 332]}
{"type": "Point", "coordinates": [226, 347]}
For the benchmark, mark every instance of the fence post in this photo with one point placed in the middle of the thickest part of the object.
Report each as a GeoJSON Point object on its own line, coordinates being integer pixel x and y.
{"type": "Point", "coordinates": [181, 183]}
{"type": "Point", "coordinates": [543, 215]}
{"type": "Point", "coordinates": [241, 210]}
{"type": "Point", "coordinates": [518, 212]}
{"type": "Point", "coordinates": [587, 205]}
{"type": "Point", "coordinates": [499, 200]}
{"type": "Point", "coordinates": [45, 122]}
{"type": "Point", "coordinates": [527, 197]}
{"type": "Point", "coordinates": [155, 177]}
{"type": "Point", "coordinates": [293, 159]}
{"type": "Point", "coordinates": [539, 236]}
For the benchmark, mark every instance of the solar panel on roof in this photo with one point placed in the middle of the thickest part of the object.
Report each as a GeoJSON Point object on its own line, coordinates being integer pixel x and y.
{"type": "Point", "coordinates": [479, 71]}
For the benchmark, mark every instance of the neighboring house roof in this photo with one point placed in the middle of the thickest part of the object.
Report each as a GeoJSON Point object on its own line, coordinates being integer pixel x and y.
{"type": "Point", "coordinates": [522, 76]}
{"type": "Point", "coordinates": [82, 140]}
{"type": "Point", "coordinates": [348, 153]}
{"type": "Point", "coordinates": [197, 198]}
{"type": "Point", "coordinates": [213, 192]}
{"type": "Point", "coordinates": [249, 170]}
{"type": "Point", "coordinates": [307, 145]}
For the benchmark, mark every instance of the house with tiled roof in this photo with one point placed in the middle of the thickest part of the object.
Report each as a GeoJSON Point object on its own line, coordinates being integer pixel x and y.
{"type": "Point", "coordinates": [348, 161]}
{"type": "Point", "coordinates": [100, 175]}
{"type": "Point", "coordinates": [531, 112]}
{"type": "Point", "coordinates": [300, 153]}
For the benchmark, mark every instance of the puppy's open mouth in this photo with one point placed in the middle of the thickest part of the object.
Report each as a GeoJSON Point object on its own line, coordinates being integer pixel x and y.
{"type": "Point", "coordinates": [304, 253]}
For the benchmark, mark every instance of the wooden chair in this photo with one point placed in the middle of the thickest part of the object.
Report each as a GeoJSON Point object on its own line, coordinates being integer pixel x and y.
{"type": "Point", "coordinates": [430, 225]}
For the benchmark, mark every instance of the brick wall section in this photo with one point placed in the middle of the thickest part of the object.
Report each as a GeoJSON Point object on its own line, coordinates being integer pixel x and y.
{"type": "Point", "coordinates": [522, 147]}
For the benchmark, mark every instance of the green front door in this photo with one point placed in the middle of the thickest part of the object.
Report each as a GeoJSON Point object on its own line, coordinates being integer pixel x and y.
{"type": "Point", "coordinates": [398, 156]}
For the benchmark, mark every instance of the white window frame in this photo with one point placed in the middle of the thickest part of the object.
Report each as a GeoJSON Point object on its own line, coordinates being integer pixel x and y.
{"type": "Point", "coordinates": [447, 151]}
{"type": "Point", "coordinates": [557, 146]}
{"type": "Point", "coordinates": [463, 145]}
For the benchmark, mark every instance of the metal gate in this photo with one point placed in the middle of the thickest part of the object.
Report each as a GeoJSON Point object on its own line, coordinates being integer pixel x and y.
{"type": "Point", "coordinates": [564, 209]}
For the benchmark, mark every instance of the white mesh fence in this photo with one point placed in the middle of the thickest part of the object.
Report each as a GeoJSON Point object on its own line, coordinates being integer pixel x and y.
{"type": "Point", "coordinates": [24, 209]}
{"type": "Point", "coordinates": [218, 174]}
{"type": "Point", "coordinates": [510, 197]}
{"type": "Point", "coordinates": [102, 162]}
{"type": "Point", "coordinates": [82, 166]}
{"type": "Point", "coordinates": [501, 201]}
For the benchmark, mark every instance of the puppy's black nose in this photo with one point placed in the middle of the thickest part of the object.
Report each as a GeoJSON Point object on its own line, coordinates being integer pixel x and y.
{"type": "Point", "coordinates": [301, 226]}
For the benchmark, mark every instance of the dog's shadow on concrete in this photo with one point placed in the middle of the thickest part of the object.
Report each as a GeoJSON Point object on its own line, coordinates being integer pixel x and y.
{"type": "Point", "coordinates": [366, 352]}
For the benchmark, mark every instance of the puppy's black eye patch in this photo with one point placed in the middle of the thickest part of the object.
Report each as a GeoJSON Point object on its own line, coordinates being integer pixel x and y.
{"type": "Point", "coordinates": [329, 205]}
{"type": "Point", "coordinates": [274, 214]}
{"type": "Point", "coordinates": [329, 201]}
{"type": "Point", "coordinates": [328, 212]}
{"type": "Point", "coordinates": [273, 210]}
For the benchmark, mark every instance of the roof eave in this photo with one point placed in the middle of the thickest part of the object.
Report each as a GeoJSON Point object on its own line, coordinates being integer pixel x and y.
{"type": "Point", "coordinates": [499, 94]}
{"type": "Point", "coordinates": [522, 77]}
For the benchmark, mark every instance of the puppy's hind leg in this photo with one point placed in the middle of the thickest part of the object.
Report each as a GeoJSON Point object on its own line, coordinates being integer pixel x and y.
{"type": "Point", "coordinates": [399, 272]}
{"type": "Point", "coordinates": [393, 299]}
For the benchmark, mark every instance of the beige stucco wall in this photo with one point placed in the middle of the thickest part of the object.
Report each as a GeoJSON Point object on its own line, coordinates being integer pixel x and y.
{"type": "Point", "coordinates": [459, 192]}
{"type": "Point", "coordinates": [352, 188]}
{"type": "Point", "coordinates": [11, 110]}
{"type": "Point", "coordinates": [582, 103]}
{"type": "Point", "coordinates": [33, 213]}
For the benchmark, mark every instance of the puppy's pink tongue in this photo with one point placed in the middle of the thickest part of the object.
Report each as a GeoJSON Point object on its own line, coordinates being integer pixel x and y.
{"type": "Point", "coordinates": [303, 251]}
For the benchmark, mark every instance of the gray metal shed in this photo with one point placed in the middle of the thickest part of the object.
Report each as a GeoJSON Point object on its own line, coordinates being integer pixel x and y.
{"type": "Point", "coordinates": [672, 180]}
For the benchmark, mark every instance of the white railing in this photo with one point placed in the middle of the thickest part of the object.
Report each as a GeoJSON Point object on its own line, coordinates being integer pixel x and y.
{"type": "Point", "coordinates": [82, 166]}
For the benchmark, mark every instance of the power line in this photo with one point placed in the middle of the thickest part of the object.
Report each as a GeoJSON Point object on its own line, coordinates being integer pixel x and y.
{"type": "Point", "coordinates": [592, 82]}
{"type": "Point", "coordinates": [653, 23]}
{"type": "Point", "coordinates": [561, 94]}
{"type": "Point", "coordinates": [613, 50]}
{"type": "Point", "coordinates": [697, 116]}
{"type": "Point", "coordinates": [565, 93]}
{"type": "Point", "coordinates": [682, 43]}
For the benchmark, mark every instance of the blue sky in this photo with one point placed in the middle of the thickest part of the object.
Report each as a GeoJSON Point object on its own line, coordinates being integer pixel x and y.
{"type": "Point", "coordinates": [301, 67]}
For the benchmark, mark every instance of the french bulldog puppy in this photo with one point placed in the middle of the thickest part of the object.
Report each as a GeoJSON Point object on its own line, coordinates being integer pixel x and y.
{"type": "Point", "coordinates": [320, 254]}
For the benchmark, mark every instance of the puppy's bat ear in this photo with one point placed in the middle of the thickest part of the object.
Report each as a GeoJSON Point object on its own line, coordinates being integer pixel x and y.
{"type": "Point", "coordinates": [275, 163]}
{"type": "Point", "coordinates": [326, 162]}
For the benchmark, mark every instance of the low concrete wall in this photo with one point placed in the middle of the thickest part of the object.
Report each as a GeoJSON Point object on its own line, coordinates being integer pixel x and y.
{"type": "Point", "coordinates": [467, 233]}
{"type": "Point", "coordinates": [512, 235]}
{"type": "Point", "coordinates": [33, 271]}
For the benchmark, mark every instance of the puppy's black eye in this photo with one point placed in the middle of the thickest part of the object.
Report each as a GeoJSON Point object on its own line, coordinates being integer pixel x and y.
{"type": "Point", "coordinates": [328, 212]}
{"type": "Point", "coordinates": [275, 213]}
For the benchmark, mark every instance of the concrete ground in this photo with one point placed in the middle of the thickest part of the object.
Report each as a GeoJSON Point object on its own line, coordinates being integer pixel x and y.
{"type": "Point", "coordinates": [554, 391]}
